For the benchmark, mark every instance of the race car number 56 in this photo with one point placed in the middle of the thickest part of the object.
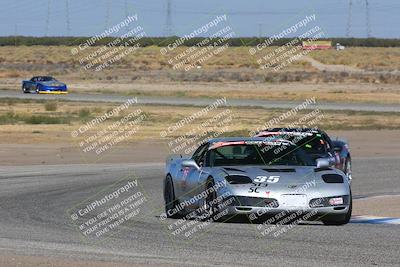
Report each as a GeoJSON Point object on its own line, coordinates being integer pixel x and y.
{"type": "Point", "coordinates": [267, 179]}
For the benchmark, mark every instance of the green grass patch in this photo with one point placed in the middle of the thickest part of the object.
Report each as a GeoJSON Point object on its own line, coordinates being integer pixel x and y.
{"type": "Point", "coordinates": [50, 106]}
{"type": "Point", "coordinates": [12, 118]}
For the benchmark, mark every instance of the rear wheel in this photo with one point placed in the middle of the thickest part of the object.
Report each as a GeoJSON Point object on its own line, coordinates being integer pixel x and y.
{"type": "Point", "coordinates": [170, 200]}
{"type": "Point", "coordinates": [340, 219]}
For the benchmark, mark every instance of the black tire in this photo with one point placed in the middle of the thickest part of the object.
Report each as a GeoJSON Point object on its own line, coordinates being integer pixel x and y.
{"type": "Point", "coordinates": [340, 219]}
{"type": "Point", "coordinates": [347, 168]}
{"type": "Point", "coordinates": [211, 207]}
{"type": "Point", "coordinates": [169, 198]}
{"type": "Point", "coordinates": [24, 90]}
{"type": "Point", "coordinates": [208, 206]}
{"type": "Point", "coordinates": [37, 89]}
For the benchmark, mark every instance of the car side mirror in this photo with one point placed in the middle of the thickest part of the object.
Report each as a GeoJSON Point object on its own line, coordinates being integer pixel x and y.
{"type": "Point", "coordinates": [323, 163]}
{"type": "Point", "coordinates": [189, 163]}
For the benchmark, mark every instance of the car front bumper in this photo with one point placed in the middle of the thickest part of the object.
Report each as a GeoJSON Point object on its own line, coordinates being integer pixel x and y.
{"type": "Point", "coordinates": [53, 91]}
{"type": "Point", "coordinates": [274, 208]}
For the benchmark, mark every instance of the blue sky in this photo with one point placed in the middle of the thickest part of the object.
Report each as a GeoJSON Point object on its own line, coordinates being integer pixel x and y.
{"type": "Point", "coordinates": [246, 18]}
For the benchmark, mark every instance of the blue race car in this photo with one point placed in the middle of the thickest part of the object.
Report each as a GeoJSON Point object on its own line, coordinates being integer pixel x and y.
{"type": "Point", "coordinates": [44, 85]}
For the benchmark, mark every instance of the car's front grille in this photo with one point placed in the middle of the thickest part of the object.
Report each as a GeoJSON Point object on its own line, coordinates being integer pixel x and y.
{"type": "Point", "coordinates": [255, 202]}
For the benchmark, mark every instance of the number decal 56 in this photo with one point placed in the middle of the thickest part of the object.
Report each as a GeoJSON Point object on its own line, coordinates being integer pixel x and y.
{"type": "Point", "coordinates": [267, 179]}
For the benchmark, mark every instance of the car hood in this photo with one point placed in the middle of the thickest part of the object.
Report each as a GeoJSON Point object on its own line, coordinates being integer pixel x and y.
{"type": "Point", "coordinates": [288, 175]}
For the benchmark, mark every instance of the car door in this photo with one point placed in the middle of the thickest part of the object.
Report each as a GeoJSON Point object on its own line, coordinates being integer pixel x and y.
{"type": "Point", "coordinates": [191, 182]}
{"type": "Point", "coordinates": [28, 84]}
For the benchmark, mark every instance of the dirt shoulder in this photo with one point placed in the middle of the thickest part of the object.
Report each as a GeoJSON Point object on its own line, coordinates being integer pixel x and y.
{"type": "Point", "coordinates": [371, 143]}
{"type": "Point", "coordinates": [380, 206]}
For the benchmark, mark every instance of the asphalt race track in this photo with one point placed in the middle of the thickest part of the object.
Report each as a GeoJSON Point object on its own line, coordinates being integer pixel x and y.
{"type": "Point", "coordinates": [203, 102]}
{"type": "Point", "coordinates": [34, 200]}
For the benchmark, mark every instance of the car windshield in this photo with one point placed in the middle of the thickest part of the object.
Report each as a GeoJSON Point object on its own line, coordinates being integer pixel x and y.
{"type": "Point", "coordinates": [261, 153]}
{"type": "Point", "coordinates": [45, 79]}
{"type": "Point", "coordinates": [311, 143]}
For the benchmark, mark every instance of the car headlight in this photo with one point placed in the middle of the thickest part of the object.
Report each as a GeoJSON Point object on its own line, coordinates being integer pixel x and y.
{"type": "Point", "coordinates": [329, 201]}
{"type": "Point", "coordinates": [336, 201]}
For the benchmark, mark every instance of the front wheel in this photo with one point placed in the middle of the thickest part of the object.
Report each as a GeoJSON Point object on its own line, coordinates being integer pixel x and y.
{"type": "Point", "coordinates": [25, 90]}
{"type": "Point", "coordinates": [170, 200]}
{"type": "Point", "coordinates": [212, 208]}
{"type": "Point", "coordinates": [209, 200]}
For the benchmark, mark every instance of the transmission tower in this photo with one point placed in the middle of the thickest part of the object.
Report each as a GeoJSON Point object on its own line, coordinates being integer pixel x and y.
{"type": "Point", "coordinates": [368, 24]}
{"type": "Point", "coordinates": [67, 17]}
{"type": "Point", "coordinates": [349, 17]}
{"type": "Point", "coordinates": [107, 20]}
{"type": "Point", "coordinates": [15, 33]}
{"type": "Point", "coordinates": [48, 17]}
{"type": "Point", "coordinates": [168, 23]}
{"type": "Point", "coordinates": [126, 8]}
